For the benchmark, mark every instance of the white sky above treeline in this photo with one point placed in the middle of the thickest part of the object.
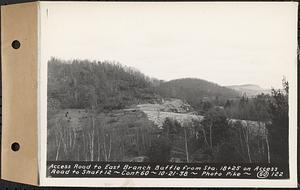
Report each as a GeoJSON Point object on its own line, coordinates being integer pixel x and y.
{"type": "Point", "coordinates": [226, 43]}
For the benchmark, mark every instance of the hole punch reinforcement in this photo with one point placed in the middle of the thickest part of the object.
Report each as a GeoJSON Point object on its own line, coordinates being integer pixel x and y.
{"type": "Point", "coordinates": [16, 44]}
{"type": "Point", "coordinates": [15, 146]}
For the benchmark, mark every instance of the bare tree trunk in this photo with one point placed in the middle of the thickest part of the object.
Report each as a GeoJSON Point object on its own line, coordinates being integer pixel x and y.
{"type": "Point", "coordinates": [258, 147]}
{"type": "Point", "coordinates": [268, 148]}
{"type": "Point", "coordinates": [205, 139]}
{"type": "Point", "coordinates": [158, 116]}
{"type": "Point", "coordinates": [109, 152]}
{"type": "Point", "coordinates": [71, 139]}
{"type": "Point", "coordinates": [246, 134]}
{"type": "Point", "coordinates": [77, 156]}
{"type": "Point", "coordinates": [84, 147]}
{"type": "Point", "coordinates": [104, 147]}
{"type": "Point", "coordinates": [122, 144]}
{"type": "Point", "coordinates": [261, 143]}
{"type": "Point", "coordinates": [90, 146]}
{"type": "Point", "coordinates": [210, 135]}
{"type": "Point", "coordinates": [262, 147]}
{"type": "Point", "coordinates": [143, 139]}
{"type": "Point", "coordinates": [186, 146]}
{"type": "Point", "coordinates": [137, 141]}
{"type": "Point", "coordinates": [99, 148]}
{"type": "Point", "coordinates": [92, 138]}
{"type": "Point", "coordinates": [241, 140]}
{"type": "Point", "coordinates": [74, 140]}
{"type": "Point", "coordinates": [57, 151]}
{"type": "Point", "coordinates": [64, 143]}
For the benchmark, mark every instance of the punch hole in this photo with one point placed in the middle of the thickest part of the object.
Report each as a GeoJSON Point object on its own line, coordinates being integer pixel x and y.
{"type": "Point", "coordinates": [15, 146]}
{"type": "Point", "coordinates": [16, 44]}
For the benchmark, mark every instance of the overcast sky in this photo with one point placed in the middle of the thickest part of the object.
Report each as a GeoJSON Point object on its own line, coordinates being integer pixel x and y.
{"type": "Point", "coordinates": [226, 43]}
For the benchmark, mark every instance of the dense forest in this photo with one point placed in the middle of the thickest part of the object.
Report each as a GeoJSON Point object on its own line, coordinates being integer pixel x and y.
{"type": "Point", "coordinates": [92, 115]}
{"type": "Point", "coordinates": [104, 85]}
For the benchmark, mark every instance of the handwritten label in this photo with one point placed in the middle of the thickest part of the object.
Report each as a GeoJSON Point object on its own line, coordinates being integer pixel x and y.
{"type": "Point", "coordinates": [168, 170]}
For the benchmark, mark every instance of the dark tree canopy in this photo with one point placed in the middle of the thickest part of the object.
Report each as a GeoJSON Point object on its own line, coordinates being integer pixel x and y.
{"type": "Point", "coordinates": [160, 150]}
{"type": "Point", "coordinates": [279, 126]}
{"type": "Point", "coordinates": [105, 85]}
{"type": "Point", "coordinates": [217, 120]}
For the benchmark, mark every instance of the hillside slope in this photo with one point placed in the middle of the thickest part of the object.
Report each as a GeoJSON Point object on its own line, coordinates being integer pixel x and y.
{"type": "Point", "coordinates": [104, 85]}
{"type": "Point", "coordinates": [195, 90]}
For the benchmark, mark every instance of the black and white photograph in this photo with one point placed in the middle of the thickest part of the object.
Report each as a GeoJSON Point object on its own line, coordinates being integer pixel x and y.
{"type": "Point", "coordinates": [169, 85]}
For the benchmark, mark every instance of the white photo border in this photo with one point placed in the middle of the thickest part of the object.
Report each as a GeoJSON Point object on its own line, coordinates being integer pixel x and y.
{"type": "Point", "coordinates": [155, 182]}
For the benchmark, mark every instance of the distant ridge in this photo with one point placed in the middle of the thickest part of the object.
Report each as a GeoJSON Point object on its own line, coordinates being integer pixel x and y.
{"type": "Point", "coordinates": [193, 90]}
{"type": "Point", "coordinates": [249, 89]}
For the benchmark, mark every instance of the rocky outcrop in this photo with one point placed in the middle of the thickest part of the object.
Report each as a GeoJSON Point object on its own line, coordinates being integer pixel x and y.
{"type": "Point", "coordinates": [171, 108]}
